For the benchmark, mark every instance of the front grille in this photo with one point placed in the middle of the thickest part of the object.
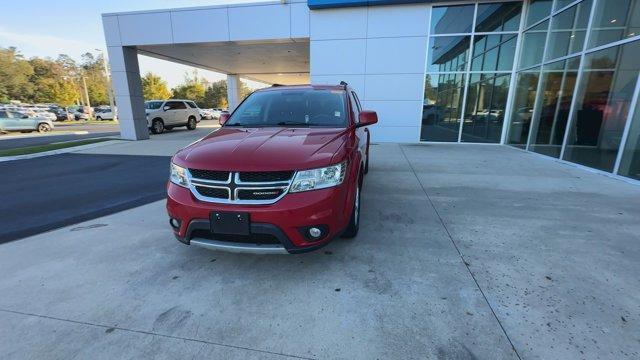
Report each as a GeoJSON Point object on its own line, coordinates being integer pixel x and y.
{"type": "Point", "coordinates": [265, 176]}
{"type": "Point", "coordinates": [215, 193]}
{"type": "Point", "coordinates": [261, 239]}
{"type": "Point", "coordinates": [259, 194]}
{"type": "Point", "coordinates": [209, 174]}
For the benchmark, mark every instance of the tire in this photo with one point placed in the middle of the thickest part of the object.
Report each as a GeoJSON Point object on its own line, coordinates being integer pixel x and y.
{"type": "Point", "coordinates": [354, 223]}
{"type": "Point", "coordinates": [192, 123]}
{"type": "Point", "coordinates": [157, 126]}
{"type": "Point", "coordinates": [98, 118]}
{"type": "Point", "coordinates": [44, 127]}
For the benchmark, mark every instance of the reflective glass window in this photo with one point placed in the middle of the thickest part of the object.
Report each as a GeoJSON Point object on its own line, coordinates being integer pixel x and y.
{"type": "Point", "coordinates": [602, 106]}
{"type": "Point", "coordinates": [568, 30]}
{"type": "Point", "coordinates": [562, 3]}
{"type": "Point", "coordinates": [493, 52]}
{"type": "Point", "coordinates": [448, 53]}
{"type": "Point", "coordinates": [630, 164]}
{"type": "Point", "coordinates": [522, 112]}
{"type": "Point", "coordinates": [498, 17]}
{"type": "Point", "coordinates": [485, 107]}
{"type": "Point", "coordinates": [538, 10]}
{"type": "Point", "coordinates": [441, 109]}
{"type": "Point", "coordinates": [613, 22]}
{"type": "Point", "coordinates": [550, 119]}
{"type": "Point", "coordinates": [533, 45]}
{"type": "Point", "coordinates": [452, 19]}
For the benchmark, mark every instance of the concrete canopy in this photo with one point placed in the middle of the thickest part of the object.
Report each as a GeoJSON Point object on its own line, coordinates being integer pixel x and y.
{"type": "Point", "coordinates": [275, 62]}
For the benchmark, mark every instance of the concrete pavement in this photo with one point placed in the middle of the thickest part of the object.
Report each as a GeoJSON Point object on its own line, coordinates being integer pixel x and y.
{"type": "Point", "coordinates": [464, 251]}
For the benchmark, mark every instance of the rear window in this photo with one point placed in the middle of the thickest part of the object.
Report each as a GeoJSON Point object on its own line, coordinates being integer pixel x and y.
{"type": "Point", "coordinates": [152, 105]}
{"type": "Point", "coordinates": [304, 107]}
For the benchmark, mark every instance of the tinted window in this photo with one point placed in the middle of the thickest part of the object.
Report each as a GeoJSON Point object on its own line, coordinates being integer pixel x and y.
{"type": "Point", "coordinates": [3, 114]}
{"type": "Point", "coordinates": [498, 17]}
{"type": "Point", "coordinates": [292, 107]}
{"type": "Point", "coordinates": [355, 106]}
{"type": "Point", "coordinates": [192, 104]}
{"type": "Point", "coordinates": [152, 105]}
{"type": "Point", "coordinates": [175, 105]}
{"type": "Point", "coordinates": [452, 19]}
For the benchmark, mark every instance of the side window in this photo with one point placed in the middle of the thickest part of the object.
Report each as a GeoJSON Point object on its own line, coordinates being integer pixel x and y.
{"type": "Point", "coordinates": [355, 96]}
{"type": "Point", "coordinates": [175, 105]}
{"type": "Point", "coordinates": [3, 114]}
{"type": "Point", "coordinates": [192, 104]}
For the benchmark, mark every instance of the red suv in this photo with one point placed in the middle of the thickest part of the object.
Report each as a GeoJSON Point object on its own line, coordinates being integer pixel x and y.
{"type": "Point", "coordinates": [282, 175]}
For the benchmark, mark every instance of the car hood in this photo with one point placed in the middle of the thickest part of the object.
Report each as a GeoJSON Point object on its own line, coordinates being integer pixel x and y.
{"type": "Point", "coordinates": [263, 149]}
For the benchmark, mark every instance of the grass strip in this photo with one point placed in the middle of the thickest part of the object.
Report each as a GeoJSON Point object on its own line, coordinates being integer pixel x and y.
{"type": "Point", "coordinates": [48, 147]}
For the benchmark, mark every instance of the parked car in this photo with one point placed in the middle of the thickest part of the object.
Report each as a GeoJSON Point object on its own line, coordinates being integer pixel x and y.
{"type": "Point", "coordinates": [16, 121]}
{"type": "Point", "coordinates": [45, 114]}
{"type": "Point", "coordinates": [206, 114]}
{"type": "Point", "coordinates": [63, 115]}
{"type": "Point", "coordinates": [215, 113]}
{"type": "Point", "coordinates": [103, 114]}
{"type": "Point", "coordinates": [167, 114]}
{"type": "Point", "coordinates": [282, 175]}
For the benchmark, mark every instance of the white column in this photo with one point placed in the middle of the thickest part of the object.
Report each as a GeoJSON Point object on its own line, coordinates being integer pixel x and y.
{"type": "Point", "coordinates": [233, 91]}
{"type": "Point", "coordinates": [127, 86]}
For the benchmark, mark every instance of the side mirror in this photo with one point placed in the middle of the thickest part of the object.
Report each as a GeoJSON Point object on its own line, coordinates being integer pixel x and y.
{"type": "Point", "coordinates": [223, 118]}
{"type": "Point", "coordinates": [367, 117]}
{"type": "Point", "coordinates": [166, 107]}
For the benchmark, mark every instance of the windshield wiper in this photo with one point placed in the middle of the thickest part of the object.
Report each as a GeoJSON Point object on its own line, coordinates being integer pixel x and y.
{"type": "Point", "coordinates": [293, 123]}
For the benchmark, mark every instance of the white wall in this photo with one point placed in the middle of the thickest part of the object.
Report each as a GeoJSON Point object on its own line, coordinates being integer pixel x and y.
{"type": "Point", "coordinates": [381, 52]}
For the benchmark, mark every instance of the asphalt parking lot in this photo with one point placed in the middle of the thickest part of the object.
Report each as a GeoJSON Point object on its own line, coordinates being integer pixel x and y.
{"type": "Point", "coordinates": [464, 252]}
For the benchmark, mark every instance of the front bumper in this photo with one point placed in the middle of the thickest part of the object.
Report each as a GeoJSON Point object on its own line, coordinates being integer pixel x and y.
{"type": "Point", "coordinates": [282, 223]}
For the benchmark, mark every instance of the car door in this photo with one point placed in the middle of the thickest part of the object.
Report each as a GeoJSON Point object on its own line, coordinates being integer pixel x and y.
{"type": "Point", "coordinates": [7, 123]}
{"type": "Point", "coordinates": [22, 121]}
{"type": "Point", "coordinates": [170, 113]}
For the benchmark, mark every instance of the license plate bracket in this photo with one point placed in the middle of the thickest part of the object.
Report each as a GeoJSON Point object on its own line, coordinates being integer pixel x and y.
{"type": "Point", "coordinates": [230, 223]}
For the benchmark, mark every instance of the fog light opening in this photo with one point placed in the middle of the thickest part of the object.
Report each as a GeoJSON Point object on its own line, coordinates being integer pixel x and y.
{"type": "Point", "coordinates": [175, 223]}
{"type": "Point", "coordinates": [315, 233]}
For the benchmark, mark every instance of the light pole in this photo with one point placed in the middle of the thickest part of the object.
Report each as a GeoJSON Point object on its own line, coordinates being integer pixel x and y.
{"type": "Point", "coordinates": [109, 88]}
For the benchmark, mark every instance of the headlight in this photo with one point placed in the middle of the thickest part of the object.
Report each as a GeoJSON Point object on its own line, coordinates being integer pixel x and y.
{"type": "Point", "coordinates": [329, 176]}
{"type": "Point", "coordinates": [178, 175]}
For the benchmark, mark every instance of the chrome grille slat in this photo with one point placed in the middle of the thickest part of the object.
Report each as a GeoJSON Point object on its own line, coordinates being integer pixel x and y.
{"type": "Point", "coordinates": [233, 185]}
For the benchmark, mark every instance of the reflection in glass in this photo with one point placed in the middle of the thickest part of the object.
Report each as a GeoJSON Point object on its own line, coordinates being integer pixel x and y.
{"type": "Point", "coordinates": [550, 120]}
{"type": "Point", "coordinates": [533, 45]}
{"type": "Point", "coordinates": [441, 109]}
{"type": "Point", "coordinates": [630, 164]}
{"type": "Point", "coordinates": [538, 10]}
{"type": "Point", "coordinates": [452, 19]}
{"type": "Point", "coordinates": [562, 3]}
{"type": "Point", "coordinates": [498, 17]}
{"type": "Point", "coordinates": [568, 30]}
{"type": "Point", "coordinates": [615, 22]}
{"type": "Point", "coordinates": [486, 102]}
{"type": "Point", "coordinates": [493, 52]}
{"type": "Point", "coordinates": [524, 101]}
{"type": "Point", "coordinates": [448, 53]}
{"type": "Point", "coordinates": [601, 109]}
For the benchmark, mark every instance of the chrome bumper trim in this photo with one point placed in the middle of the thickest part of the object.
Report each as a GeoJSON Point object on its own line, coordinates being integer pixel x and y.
{"type": "Point", "coordinates": [239, 247]}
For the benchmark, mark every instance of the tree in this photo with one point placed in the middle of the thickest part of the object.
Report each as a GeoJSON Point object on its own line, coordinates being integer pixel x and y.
{"type": "Point", "coordinates": [216, 94]}
{"type": "Point", "coordinates": [15, 73]}
{"type": "Point", "coordinates": [97, 84]}
{"type": "Point", "coordinates": [153, 87]}
{"type": "Point", "coordinates": [193, 88]}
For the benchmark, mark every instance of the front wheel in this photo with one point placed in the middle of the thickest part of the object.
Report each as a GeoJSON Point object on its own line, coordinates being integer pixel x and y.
{"type": "Point", "coordinates": [354, 222]}
{"type": "Point", "coordinates": [98, 118]}
{"type": "Point", "coordinates": [191, 123]}
{"type": "Point", "coordinates": [43, 128]}
{"type": "Point", "coordinates": [157, 126]}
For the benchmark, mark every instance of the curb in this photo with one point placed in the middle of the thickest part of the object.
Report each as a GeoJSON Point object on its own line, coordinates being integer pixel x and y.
{"type": "Point", "coordinates": [59, 151]}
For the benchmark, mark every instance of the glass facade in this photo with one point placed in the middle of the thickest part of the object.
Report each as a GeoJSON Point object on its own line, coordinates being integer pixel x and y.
{"type": "Point", "coordinates": [556, 77]}
{"type": "Point", "coordinates": [469, 66]}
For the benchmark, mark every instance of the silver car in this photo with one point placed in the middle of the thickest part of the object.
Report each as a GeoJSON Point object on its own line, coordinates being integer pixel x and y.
{"type": "Point", "coordinates": [16, 121]}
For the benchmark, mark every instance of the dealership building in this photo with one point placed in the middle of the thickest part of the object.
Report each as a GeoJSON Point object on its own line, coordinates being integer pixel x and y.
{"type": "Point", "coordinates": [555, 77]}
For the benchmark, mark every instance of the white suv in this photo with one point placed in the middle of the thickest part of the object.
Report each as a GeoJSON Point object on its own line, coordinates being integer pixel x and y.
{"type": "Point", "coordinates": [166, 114]}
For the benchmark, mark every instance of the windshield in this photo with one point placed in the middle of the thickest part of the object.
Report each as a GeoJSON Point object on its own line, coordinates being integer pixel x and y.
{"type": "Point", "coordinates": [152, 105]}
{"type": "Point", "coordinates": [305, 107]}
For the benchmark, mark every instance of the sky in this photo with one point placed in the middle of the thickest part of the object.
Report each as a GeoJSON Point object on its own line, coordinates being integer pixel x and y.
{"type": "Point", "coordinates": [44, 28]}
